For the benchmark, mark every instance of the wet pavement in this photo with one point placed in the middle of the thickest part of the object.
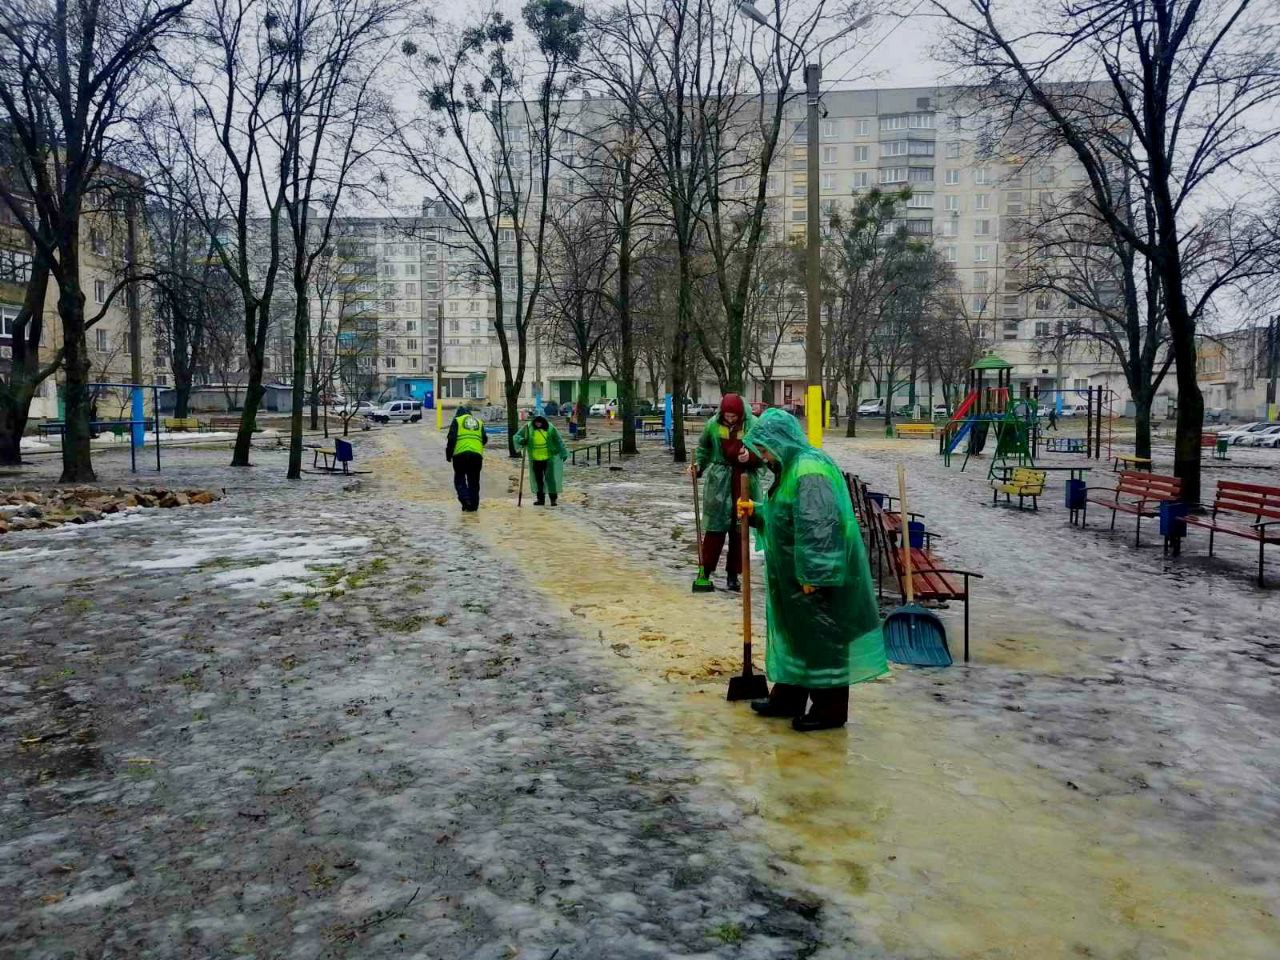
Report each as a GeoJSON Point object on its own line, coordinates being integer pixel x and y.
{"type": "Point", "coordinates": [315, 721]}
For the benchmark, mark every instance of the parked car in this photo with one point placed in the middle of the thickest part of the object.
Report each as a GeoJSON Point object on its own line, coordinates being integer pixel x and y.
{"type": "Point", "coordinates": [1071, 410]}
{"type": "Point", "coordinates": [361, 408]}
{"type": "Point", "coordinates": [700, 409]}
{"type": "Point", "coordinates": [871, 408]}
{"type": "Point", "coordinates": [550, 408]}
{"type": "Point", "coordinates": [398, 411]}
{"type": "Point", "coordinates": [602, 408]}
{"type": "Point", "coordinates": [1236, 435]}
{"type": "Point", "coordinates": [941, 411]}
{"type": "Point", "coordinates": [1266, 437]}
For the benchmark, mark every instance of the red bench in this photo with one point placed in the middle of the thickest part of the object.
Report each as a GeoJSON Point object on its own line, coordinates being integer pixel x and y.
{"type": "Point", "coordinates": [1244, 500]}
{"type": "Point", "coordinates": [1136, 493]}
{"type": "Point", "coordinates": [930, 581]}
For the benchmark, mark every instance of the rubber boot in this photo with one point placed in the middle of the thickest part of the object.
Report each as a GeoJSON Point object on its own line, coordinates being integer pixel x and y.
{"type": "Point", "coordinates": [732, 582]}
{"type": "Point", "coordinates": [830, 710]}
{"type": "Point", "coordinates": [785, 700]}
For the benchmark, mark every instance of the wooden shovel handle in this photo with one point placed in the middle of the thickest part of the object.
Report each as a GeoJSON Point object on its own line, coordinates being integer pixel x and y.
{"type": "Point", "coordinates": [744, 554]}
{"type": "Point", "coordinates": [905, 533]}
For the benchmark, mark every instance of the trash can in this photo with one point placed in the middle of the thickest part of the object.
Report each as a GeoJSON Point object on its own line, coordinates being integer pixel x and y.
{"type": "Point", "coordinates": [573, 430]}
{"type": "Point", "coordinates": [1220, 450]}
{"type": "Point", "coordinates": [1173, 524]}
{"type": "Point", "coordinates": [1076, 493]}
{"type": "Point", "coordinates": [916, 528]}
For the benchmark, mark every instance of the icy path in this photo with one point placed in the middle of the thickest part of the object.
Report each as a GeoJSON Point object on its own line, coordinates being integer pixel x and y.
{"type": "Point", "coordinates": [1100, 782]}
{"type": "Point", "coordinates": [312, 723]}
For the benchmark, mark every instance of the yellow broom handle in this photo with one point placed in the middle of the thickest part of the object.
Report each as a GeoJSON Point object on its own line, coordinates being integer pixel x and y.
{"type": "Point", "coordinates": [905, 533]}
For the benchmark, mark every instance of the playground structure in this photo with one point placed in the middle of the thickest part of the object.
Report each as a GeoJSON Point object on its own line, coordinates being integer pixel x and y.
{"type": "Point", "coordinates": [1015, 420]}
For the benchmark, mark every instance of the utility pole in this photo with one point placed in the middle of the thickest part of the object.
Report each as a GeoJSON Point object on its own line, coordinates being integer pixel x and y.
{"type": "Point", "coordinates": [813, 262]}
{"type": "Point", "coordinates": [440, 365]}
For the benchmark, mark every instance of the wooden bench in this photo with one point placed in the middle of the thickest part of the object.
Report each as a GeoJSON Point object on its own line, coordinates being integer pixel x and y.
{"type": "Point", "coordinates": [340, 457]}
{"type": "Point", "coordinates": [926, 430]}
{"type": "Point", "coordinates": [931, 582]}
{"type": "Point", "coordinates": [1211, 441]}
{"type": "Point", "coordinates": [1139, 494]}
{"type": "Point", "coordinates": [227, 423]}
{"type": "Point", "coordinates": [181, 424]}
{"type": "Point", "coordinates": [1023, 482]}
{"type": "Point", "coordinates": [1132, 462]}
{"type": "Point", "coordinates": [1244, 500]}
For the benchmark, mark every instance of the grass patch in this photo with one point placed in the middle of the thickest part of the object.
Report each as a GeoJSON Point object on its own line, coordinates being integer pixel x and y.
{"type": "Point", "coordinates": [728, 933]}
{"type": "Point", "coordinates": [230, 563]}
{"type": "Point", "coordinates": [406, 624]}
{"type": "Point", "coordinates": [78, 605]}
{"type": "Point", "coordinates": [190, 681]}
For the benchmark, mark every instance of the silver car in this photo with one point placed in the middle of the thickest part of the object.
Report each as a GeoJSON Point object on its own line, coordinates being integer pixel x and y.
{"type": "Point", "coordinates": [397, 411]}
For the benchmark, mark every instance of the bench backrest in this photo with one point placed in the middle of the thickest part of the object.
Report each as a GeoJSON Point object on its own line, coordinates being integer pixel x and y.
{"type": "Point", "coordinates": [1208, 439]}
{"type": "Point", "coordinates": [1148, 486]}
{"type": "Point", "coordinates": [1251, 499]}
{"type": "Point", "coordinates": [1027, 477]}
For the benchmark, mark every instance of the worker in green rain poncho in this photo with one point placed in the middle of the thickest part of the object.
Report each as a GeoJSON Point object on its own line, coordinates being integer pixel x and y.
{"type": "Point", "coordinates": [820, 604]}
{"type": "Point", "coordinates": [545, 454]}
{"type": "Point", "coordinates": [722, 461]}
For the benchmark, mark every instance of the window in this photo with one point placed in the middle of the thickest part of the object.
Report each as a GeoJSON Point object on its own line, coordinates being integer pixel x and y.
{"type": "Point", "coordinates": [389, 363]}
{"type": "Point", "coordinates": [8, 314]}
{"type": "Point", "coordinates": [800, 186]}
{"type": "Point", "coordinates": [15, 266]}
{"type": "Point", "coordinates": [1046, 174]}
{"type": "Point", "coordinates": [411, 325]}
{"type": "Point", "coordinates": [161, 380]}
{"type": "Point", "coordinates": [982, 176]}
{"type": "Point", "coordinates": [920, 148]}
{"type": "Point", "coordinates": [982, 201]}
{"type": "Point", "coordinates": [861, 179]}
{"type": "Point", "coordinates": [1011, 329]}
{"type": "Point", "coordinates": [893, 123]}
{"type": "Point", "coordinates": [828, 154]}
{"type": "Point", "coordinates": [982, 228]}
{"type": "Point", "coordinates": [980, 303]}
{"type": "Point", "coordinates": [100, 291]}
{"type": "Point", "coordinates": [949, 227]}
{"type": "Point", "coordinates": [411, 345]}
{"type": "Point", "coordinates": [920, 201]}
{"type": "Point", "coordinates": [410, 269]}
{"type": "Point", "coordinates": [864, 128]}
{"type": "Point", "coordinates": [454, 326]}
{"type": "Point", "coordinates": [953, 203]}
{"type": "Point", "coordinates": [1070, 305]}
{"type": "Point", "coordinates": [861, 154]}
{"type": "Point", "coordinates": [893, 175]}
{"type": "Point", "coordinates": [97, 242]}
{"type": "Point", "coordinates": [982, 253]}
{"type": "Point", "coordinates": [388, 269]}
{"type": "Point", "coordinates": [828, 129]}
{"type": "Point", "coordinates": [1042, 328]}
{"type": "Point", "coordinates": [101, 341]}
{"type": "Point", "coordinates": [953, 151]}
{"type": "Point", "coordinates": [390, 345]}
{"type": "Point", "coordinates": [922, 121]}
{"type": "Point", "coordinates": [894, 148]}
{"type": "Point", "coordinates": [1042, 301]}
{"type": "Point", "coordinates": [952, 178]}
{"type": "Point", "coordinates": [981, 279]}
{"type": "Point", "coordinates": [410, 289]}
{"type": "Point", "coordinates": [949, 253]}
{"type": "Point", "coordinates": [828, 181]}
{"type": "Point", "coordinates": [920, 175]}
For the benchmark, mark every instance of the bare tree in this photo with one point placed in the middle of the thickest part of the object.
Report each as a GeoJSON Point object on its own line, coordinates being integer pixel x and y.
{"type": "Point", "coordinates": [68, 73]}
{"type": "Point", "coordinates": [775, 311]}
{"type": "Point", "coordinates": [486, 151]}
{"type": "Point", "coordinates": [1171, 97]}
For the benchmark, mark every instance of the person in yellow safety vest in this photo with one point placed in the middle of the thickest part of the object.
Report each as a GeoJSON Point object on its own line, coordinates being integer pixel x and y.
{"type": "Point", "coordinates": [546, 454]}
{"type": "Point", "coordinates": [465, 450]}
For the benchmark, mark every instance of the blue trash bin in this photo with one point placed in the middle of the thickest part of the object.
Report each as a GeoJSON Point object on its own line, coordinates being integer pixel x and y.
{"type": "Point", "coordinates": [1076, 493]}
{"type": "Point", "coordinates": [1173, 519]}
{"type": "Point", "coordinates": [916, 529]}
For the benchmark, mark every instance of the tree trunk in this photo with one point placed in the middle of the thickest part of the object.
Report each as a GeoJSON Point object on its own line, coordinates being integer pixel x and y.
{"type": "Point", "coordinates": [734, 379]}
{"type": "Point", "coordinates": [77, 459]}
{"type": "Point", "coordinates": [182, 400]}
{"type": "Point", "coordinates": [1190, 424]}
{"type": "Point", "coordinates": [297, 396]}
{"type": "Point", "coordinates": [15, 405]}
{"type": "Point", "coordinates": [584, 398]}
{"type": "Point", "coordinates": [851, 425]}
{"type": "Point", "coordinates": [679, 357]}
{"type": "Point", "coordinates": [513, 418]}
{"type": "Point", "coordinates": [1142, 424]}
{"type": "Point", "coordinates": [248, 418]}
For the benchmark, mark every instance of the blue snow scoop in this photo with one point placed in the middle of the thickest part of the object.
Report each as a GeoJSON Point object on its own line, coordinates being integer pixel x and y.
{"type": "Point", "coordinates": [912, 634]}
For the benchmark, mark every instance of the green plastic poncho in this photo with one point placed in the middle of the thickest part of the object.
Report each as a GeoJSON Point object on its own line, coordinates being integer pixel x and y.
{"type": "Point", "coordinates": [717, 478]}
{"type": "Point", "coordinates": [555, 465]}
{"type": "Point", "coordinates": [830, 638]}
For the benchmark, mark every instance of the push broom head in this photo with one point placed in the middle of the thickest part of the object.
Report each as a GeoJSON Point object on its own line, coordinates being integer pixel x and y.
{"type": "Point", "coordinates": [748, 686]}
{"type": "Point", "coordinates": [702, 583]}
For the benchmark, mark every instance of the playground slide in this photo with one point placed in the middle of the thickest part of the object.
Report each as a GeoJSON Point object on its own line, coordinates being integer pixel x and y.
{"type": "Point", "coordinates": [959, 417]}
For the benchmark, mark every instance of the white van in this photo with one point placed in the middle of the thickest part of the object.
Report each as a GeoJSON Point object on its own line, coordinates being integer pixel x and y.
{"type": "Point", "coordinates": [871, 408]}
{"type": "Point", "coordinates": [399, 411]}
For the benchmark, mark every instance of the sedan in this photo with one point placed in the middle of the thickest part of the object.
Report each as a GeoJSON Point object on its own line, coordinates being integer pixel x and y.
{"type": "Point", "coordinates": [1268, 436]}
{"type": "Point", "coordinates": [1236, 435]}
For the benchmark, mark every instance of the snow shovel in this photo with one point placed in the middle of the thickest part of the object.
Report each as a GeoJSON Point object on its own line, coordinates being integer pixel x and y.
{"type": "Point", "coordinates": [520, 496]}
{"type": "Point", "coordinates": [701, 583]}
{"type": "Point", "coordinates": [912, 634]}
{"type": "Point", "coordinates": [749, 686]}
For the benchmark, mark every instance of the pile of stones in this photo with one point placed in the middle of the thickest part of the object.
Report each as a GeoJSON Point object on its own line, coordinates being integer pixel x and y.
{"type": "Point", "coordinates": [44, 510]}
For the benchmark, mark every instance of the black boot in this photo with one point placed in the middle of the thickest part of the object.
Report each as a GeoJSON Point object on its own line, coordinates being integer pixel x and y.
{"type": "Point", "coordinates": [830, 710]}
{"type": "Point", "coordinates": [731, 582]}
{"type": "Point", "coordinates": [785, 700]}
{"type": "Point", "coordinates": [540, 502]}
{"type": "Point", "coordinates": [553, 499]}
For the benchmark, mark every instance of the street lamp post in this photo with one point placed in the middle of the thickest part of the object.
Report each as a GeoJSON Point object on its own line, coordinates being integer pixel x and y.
{"type": "Point", "coordinates": [814, 404]}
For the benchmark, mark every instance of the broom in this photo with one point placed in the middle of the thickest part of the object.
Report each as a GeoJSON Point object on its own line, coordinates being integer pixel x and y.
{"type": "Point", "coordinates": [912, 634]}
{"type": "Point", "coordinates": [751, 685]}
{"type": "Point", "coordinates": [701, 583]}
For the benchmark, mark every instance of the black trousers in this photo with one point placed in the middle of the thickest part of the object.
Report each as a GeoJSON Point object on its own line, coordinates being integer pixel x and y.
{"type": "Point", "coordinates": [466, 478]}
{"type": "Point", "coordinates": [540, 478]}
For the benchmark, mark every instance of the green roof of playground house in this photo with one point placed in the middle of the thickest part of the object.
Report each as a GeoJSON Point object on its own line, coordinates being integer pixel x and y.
{"type": "Point", "coordinates": [991, 362]}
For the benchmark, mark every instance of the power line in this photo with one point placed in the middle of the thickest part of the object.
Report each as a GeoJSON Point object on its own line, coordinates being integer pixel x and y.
{"type": "Point", "coordinates": [872, 48]}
